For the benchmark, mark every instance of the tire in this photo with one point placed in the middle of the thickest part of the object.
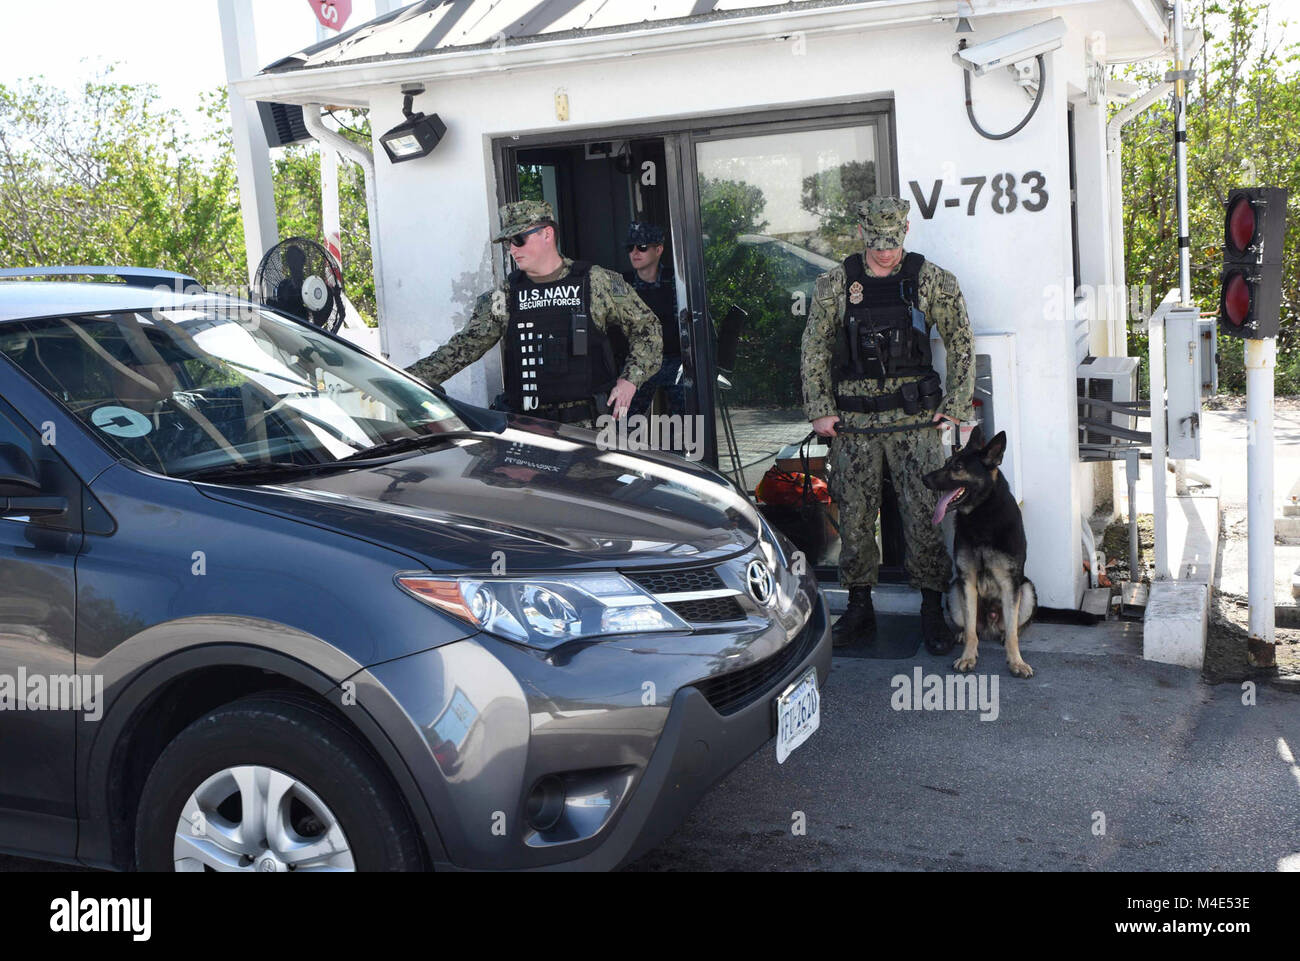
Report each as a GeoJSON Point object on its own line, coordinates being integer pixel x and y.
{"type": "Point", "coordinates": [320, 799]}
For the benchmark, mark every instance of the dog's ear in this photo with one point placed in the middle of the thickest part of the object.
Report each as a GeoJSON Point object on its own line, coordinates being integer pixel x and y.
{"type": "Point", "coordinates": [996, 448]}
{"type": "Point", "coordinates": [976, 439]}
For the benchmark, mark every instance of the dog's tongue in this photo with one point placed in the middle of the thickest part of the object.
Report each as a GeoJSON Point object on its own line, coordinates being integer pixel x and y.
{"type": "Point", "coordinates": [941, 508]}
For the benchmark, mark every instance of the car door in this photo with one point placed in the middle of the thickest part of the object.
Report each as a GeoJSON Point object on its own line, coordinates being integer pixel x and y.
{"type": "Point", "coordinates": [37, 633]}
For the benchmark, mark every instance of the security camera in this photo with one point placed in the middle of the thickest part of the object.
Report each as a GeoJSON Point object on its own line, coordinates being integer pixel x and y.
{"type": "Point", "coordinates": [1012, 49]}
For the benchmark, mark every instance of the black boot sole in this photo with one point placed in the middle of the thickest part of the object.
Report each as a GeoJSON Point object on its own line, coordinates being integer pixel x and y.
{"type": "Point", "coordinates": [940, 648]}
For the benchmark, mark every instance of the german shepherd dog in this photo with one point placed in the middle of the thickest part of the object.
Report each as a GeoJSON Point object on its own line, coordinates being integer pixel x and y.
{"type": "Point", "coordinates": [990, 596]}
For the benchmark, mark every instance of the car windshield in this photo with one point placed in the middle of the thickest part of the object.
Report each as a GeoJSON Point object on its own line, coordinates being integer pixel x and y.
{"type": "Point", "coordinates": [224, 386]}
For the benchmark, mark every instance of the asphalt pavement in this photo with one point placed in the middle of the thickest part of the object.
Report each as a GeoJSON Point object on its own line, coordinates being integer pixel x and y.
{"type": "Point", "coordinates": [1098, 762]}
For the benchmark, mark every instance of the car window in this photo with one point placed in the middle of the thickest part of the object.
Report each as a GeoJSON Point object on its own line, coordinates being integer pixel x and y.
{"type": "Point", "coordinates": [185, 390]}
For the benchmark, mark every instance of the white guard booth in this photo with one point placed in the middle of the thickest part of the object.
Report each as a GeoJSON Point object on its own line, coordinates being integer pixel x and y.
{"type": "Point", "coordinates": [745, 129]}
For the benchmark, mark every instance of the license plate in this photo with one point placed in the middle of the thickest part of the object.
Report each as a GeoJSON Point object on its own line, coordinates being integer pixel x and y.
{"type": "Point", "coordinates": [798, 714]}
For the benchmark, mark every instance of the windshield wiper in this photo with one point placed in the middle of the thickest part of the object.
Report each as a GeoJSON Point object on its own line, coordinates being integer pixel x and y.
{"type": "Point", "coordinates": [260, 468]}
{"type": "Point", "coordinates": [403, 445]}
{"type": "Point", "coordinates": [277, 468]}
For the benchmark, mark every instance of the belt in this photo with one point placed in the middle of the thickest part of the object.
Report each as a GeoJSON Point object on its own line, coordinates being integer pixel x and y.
{"type": "Point", "coordinates": [923, 394]}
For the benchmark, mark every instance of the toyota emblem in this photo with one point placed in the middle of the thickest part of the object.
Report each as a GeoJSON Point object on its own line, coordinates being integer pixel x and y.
{"type": "Point", "coordinates": [759, 580]}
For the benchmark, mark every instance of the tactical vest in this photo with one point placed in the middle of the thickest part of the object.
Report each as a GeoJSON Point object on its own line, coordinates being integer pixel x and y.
{"type": "Point", "coordinates": [552, 352]}
{"type": "Point", "coordinates": [884, 333]}
{"type": "Point", "coordinates": [662, 300]}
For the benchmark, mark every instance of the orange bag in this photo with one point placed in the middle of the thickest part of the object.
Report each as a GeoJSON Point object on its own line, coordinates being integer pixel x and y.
{"type": "Point", "coordinates": [786, 489]}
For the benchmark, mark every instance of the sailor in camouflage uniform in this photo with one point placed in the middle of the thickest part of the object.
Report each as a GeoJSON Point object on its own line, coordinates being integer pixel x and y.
{"type": "Point", "coordinates": [656, 284]}
{"type": "Point", "coordinates": [552, 317]}
{"type": "Point", "coordinates": [866, 362]}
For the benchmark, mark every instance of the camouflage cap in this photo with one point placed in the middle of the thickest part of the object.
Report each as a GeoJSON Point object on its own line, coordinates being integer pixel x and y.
{"type": "Point", "coordinates": [520, 215]}
{"type": "Point", "coordinates": [884, 221]}
{"type": "Point", "coordinates": [639, 232]}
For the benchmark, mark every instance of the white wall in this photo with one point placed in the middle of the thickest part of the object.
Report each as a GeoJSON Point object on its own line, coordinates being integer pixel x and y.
{"type": "Point", "coordinates": [436, 213]}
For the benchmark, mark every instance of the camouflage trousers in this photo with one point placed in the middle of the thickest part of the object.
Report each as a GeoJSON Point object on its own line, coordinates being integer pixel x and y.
{"type": "Point", "coordinates": [856, 472]}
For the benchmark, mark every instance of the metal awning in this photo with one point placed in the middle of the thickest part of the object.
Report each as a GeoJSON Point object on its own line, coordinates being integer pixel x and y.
{"type": "Point", "coordinates": [437, 39]}
{"type": "Point", "coordinates": [434, 26]}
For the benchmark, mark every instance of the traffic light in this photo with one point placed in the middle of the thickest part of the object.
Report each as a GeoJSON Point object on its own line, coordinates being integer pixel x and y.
{"type": "Point", "coordinates": [1250, 292]}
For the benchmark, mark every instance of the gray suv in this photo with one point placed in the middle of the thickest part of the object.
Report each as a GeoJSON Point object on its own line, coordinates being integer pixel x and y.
{"type": "Point", "coordinates": [267, 603]}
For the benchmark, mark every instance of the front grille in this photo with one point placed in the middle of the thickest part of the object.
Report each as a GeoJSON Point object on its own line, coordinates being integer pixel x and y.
{"type": "Point", "coordinates": [708, 610]}
{"type": "Point", "coordinates": [728, 693]}
{"type": "Point", "coordinates": [679, 582]}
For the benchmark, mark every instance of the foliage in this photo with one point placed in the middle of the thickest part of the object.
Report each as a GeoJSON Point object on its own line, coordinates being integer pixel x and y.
{"type": "Point", "coordinates": [739, 274]}
{"type": "Point", "coordinates": [109, 177]}
{"type": "Point", "coordinates": [298, 210]}
{"type": "Point", "coordinates": [1241, 112]}
{"type": "Point", "coordinates": [530, 182]}
{"type": "Point", "coordinates": [833, 193]}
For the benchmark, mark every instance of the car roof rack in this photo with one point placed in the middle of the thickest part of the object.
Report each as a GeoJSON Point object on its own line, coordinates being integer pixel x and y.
{"type": "Point", "coordinates": [131, 276]}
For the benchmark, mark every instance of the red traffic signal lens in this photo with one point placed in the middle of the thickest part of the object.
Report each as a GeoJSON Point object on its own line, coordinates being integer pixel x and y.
{"type": "Point", "coordinates": [1236, 299]}
{"type": "Point", "coordinates": [1241, 224]}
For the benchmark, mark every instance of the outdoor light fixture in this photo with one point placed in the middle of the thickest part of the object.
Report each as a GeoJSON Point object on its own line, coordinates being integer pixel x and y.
{"type": "Point", "coordinates": [417, 135]}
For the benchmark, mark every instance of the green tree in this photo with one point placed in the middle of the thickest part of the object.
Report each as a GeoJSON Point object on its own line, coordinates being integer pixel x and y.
{"type": "Point", "coordinates": [1241, 114]}
{"type": "Point", "coordinates": [110, 178]}
{"type": "Point", "coordinates": [296, 173]}
{"type": "Point", "coordinates": [832, 194]}
{"type": "Point", "coordinates": [739, 271]}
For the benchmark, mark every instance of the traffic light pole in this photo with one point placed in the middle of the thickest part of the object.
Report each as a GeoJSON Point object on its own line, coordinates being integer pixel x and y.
{"type": "Point", "coordinates": [1261, 359]}
{"type": "Point", "coordinates": [1180, 158]}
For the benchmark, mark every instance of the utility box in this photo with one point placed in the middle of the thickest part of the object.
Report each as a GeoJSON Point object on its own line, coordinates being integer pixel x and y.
{"type": "Point", "coordinates": [1184, 380]}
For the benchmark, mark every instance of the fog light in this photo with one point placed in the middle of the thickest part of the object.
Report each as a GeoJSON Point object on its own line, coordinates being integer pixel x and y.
{"type": "Point", "coordinates": [545, 804]}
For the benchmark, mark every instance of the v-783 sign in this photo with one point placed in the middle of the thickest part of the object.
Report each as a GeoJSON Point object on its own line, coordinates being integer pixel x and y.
{"type": "Point", "coordinates": [1005, 194]}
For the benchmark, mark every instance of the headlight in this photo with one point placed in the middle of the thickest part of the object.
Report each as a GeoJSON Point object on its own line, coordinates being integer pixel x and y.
{"type": "Point", "coordinates": [545, 612]}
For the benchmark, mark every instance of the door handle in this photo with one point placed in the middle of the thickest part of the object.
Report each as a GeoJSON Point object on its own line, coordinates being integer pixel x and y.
{"type": "Point", "coordinates": [686, 327]}
{"type": "Point", "coordinates": [33, 506]}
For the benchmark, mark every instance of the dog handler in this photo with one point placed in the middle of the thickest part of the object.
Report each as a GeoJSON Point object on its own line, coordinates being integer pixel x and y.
{"type": "Point", "coordinates": [866, 362]}
{"type": "Point", "coordinates": [552, 318]}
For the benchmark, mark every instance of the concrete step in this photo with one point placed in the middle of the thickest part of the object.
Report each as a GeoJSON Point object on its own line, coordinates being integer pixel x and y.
{"type": "Point", "coordinates": [1286, 530]}
{"type": "Point", "coordinates": [1291, 503]}
{"type": "Point", "coordinates": [1177, 620]}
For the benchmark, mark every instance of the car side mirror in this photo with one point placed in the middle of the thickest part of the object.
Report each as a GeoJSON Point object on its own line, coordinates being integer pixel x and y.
{"type": "Point", "coordinates": [17, 472]}
{"type": "Point", "coordinates": [18, 480]}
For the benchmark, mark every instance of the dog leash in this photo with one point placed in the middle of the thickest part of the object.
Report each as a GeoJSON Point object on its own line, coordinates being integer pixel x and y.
{"type": "Point", "coordinates": [840, 427]}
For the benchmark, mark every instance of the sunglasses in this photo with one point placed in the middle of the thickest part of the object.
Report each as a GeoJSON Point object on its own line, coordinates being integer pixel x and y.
{"type": "Point", "coordinates": [518, 240]}
{"type": "Point", "coordinates": [641, 247]}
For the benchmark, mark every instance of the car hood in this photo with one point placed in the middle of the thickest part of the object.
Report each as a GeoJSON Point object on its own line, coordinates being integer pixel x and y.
{"type": "Point", "coordinates": [545, 501]}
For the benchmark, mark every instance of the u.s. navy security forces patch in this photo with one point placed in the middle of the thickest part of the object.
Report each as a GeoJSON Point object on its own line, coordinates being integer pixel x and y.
{"type": "Point", "coordinates": [855, 293]}
{"type": "Point", "coordinates": [121, 421]}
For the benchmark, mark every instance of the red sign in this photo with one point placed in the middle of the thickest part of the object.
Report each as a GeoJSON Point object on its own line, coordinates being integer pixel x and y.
{"type": "Point", "coordinates": [332, 13]}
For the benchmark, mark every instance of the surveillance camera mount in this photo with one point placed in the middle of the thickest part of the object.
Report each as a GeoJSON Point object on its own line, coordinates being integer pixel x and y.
{"type": "Point", "coordinates": [1021, 71]}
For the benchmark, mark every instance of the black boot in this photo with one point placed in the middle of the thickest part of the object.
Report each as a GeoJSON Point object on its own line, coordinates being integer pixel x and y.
{"type": "Point", "coordinates": [938, 638]}
{"type": "Point", "coordinates": [857, 625]}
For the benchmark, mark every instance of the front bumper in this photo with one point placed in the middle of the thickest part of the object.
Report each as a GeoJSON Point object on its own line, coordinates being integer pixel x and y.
{"type": "Point", "coordinates": [638, 731]}
{"type": "Point", "coordinates": [698, 747]}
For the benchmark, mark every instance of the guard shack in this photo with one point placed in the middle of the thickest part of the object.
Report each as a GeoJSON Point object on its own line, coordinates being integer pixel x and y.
{"type": "Point", "coordinates": [747, 130]}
